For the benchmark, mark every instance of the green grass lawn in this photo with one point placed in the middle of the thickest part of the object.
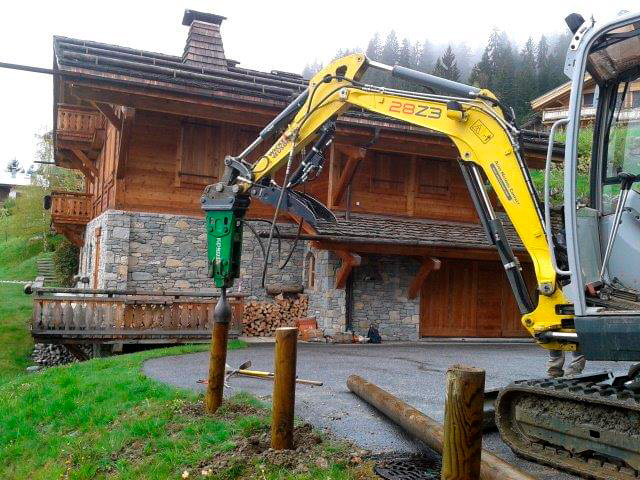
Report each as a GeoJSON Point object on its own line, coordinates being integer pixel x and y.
{"type": "Point", "coordinates": [15, 341]}
{"type": "Point", "coordinates": [18, 258]}
{"type": "Point", "coordinates": [103, 419]}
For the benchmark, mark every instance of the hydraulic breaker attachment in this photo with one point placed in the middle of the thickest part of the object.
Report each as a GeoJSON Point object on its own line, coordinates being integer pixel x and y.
{"type": "Point", "coordinates": [224, 213]}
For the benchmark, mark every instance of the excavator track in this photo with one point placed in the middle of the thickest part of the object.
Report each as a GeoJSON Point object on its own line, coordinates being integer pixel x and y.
{"type": "Point", "coordinates": [584, 425]}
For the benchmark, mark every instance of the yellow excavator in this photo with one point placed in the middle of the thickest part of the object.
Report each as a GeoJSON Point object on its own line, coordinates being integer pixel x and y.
{"type": "Point", "coordinates": [587, 273]}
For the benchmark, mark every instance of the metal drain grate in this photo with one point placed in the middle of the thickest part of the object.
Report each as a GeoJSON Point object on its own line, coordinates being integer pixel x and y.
{"type": "Point", "coordinates": [407, 467]}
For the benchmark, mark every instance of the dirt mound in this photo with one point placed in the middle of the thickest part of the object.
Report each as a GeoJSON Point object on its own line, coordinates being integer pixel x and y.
{"type": "Point", "coordinates": [252, 454]}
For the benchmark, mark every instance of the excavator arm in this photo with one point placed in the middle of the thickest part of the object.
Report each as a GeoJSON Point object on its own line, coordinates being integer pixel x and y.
{"type": "Point", "coordinates": [472, 118]}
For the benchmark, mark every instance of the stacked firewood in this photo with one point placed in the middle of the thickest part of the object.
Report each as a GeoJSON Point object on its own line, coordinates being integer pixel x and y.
{"type": "Point", "coordinates": [260, 319]}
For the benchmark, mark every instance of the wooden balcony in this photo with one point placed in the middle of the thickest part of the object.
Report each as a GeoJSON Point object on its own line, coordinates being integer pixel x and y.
{"type": "Point", "coordinates": [66, 315]}
{"type": "Point", "coordinates": [79, 127]}
{"type": "Point", "coordinates": [70, 208]}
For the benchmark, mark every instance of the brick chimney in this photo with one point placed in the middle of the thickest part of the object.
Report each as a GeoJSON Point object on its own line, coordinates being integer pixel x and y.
{"type": "Point", "coordinates": [204, 42]}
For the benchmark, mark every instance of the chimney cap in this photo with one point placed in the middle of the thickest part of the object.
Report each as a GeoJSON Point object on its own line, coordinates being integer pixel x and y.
{"type": "Point", "coordinates": [191, 15]}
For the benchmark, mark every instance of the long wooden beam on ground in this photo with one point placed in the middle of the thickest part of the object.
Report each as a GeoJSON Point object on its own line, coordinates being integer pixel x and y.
{"type": "Point", "coordinates": [426, 429]}
{"type": "Point", "coordinates": [428, 265]}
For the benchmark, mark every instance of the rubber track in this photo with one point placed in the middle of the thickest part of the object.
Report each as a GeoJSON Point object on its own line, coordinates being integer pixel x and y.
{"type": "Point", "coordinates": [574, 390]}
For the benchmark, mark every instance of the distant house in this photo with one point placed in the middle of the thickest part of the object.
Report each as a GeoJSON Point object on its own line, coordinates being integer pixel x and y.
{"type": "Point", "coordinates": [9, 190]}
{"type": "Point", "coordinates": [150, 130]}
{"type": "Point", "coordinates": [554, 104]}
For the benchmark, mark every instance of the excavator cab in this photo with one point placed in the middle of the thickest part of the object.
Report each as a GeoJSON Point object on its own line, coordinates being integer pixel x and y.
{"type": "Point", "coordinates": [602, 187]}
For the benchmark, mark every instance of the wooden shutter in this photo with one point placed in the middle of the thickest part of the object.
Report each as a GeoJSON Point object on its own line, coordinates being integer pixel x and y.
{"type": "Point", "coordinates": [434, 177]}
{"type": "Point", "coordinates": [198, 161]}
{"type": "Point", "coordinates": [389, 174]}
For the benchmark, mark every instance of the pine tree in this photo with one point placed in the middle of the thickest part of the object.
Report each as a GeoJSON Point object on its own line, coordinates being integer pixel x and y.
{"type": "Point", "coordinates": [14, 168]}
{"type": "Point", "coordinates": [545, 81]}
{"type": "Point", "coordinates": [446, 66]}
{"type": "Point", "coordinates": [391, 49]}
{"type": "Point", "coordinates": [464, 58]}
{"type": "Point", "coordinates": [374, 50]}
{"type": "Point", "coordinates": [526, 80]}
{"type": "Point", "coordinates": [427, 58]}
{"type": "Point", "coordinates": [405, 54]}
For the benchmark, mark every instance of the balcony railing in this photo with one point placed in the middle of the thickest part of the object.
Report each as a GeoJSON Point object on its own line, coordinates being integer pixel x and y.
{"type": "Point", "coordinates": [121, 316]}
{"type": "Point", "coordinates": [588, 113]}
{"type": "Point", "coordinates": [70, 207]}
{"type": "Point", "coordinates": [79, 125]}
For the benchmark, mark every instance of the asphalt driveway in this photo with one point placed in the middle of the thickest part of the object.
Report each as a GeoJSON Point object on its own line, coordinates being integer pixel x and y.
{"type": "Point", "coordinates": [415, 372]}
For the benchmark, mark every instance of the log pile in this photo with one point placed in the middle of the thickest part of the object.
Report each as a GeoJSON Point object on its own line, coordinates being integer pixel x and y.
{"type": "Point", "coordinates": [260, 319]}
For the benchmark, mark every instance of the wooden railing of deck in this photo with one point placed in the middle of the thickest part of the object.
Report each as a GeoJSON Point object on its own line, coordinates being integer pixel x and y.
{"type": "Point", "coordinates": [123, 316]}
{"type": "Point", "coordinates": [78, 124]}
{"type": "Point", "coordinates": [71, 207]}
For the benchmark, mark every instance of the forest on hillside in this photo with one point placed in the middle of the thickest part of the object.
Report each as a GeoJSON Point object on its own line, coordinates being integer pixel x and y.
{"type": "Point", "coordinates": [515, 73]}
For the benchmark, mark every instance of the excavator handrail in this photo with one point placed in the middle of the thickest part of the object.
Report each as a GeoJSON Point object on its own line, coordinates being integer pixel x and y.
{"type": "Point", "coordinates": [547, 196]}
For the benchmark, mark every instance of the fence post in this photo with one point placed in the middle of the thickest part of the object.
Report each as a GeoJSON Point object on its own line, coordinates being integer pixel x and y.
{"type": "Point", "coordinates": [284, 388]}
{"type": "Point", "coordinates": [218, 354]}
{"type": "Point", "coordinates": [463, 417]}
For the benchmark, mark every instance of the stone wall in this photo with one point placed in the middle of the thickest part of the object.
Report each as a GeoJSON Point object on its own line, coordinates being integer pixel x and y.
{"type": "Point", "coordinates": [160, 251]}
{"type": "Point", "coordinates": [326, 303]}
{"type": "Point", "coordinates": [156, 251]}
{"type": "Point", "coordinates": [380, 288]}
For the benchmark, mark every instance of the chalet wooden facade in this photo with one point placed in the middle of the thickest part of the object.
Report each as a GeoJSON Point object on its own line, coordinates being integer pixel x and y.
{"type": "Point", "coordinates": [150, 130]}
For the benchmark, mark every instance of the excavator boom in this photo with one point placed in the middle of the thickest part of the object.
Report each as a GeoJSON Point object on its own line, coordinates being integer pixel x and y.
{"type": "Point", "coordinates": [472, 119]}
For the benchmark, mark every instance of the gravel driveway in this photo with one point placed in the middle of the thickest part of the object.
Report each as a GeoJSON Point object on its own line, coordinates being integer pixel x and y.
{"type": "Point", "coordinates": [415, 372]}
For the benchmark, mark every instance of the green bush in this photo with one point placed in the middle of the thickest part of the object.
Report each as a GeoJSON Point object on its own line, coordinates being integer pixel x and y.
{"type": "Point", "coordinates": [65, 263]}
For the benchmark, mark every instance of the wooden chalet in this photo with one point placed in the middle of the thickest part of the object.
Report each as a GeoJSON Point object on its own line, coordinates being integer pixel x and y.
{"type": "Point", "coordinates": [150, 130]}
{"type": "Point", "coordinates": [554, 104]}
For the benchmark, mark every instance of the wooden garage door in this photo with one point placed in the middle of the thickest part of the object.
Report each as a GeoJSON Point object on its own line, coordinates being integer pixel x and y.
{"type": "Point", "coordinates": [470, 298]}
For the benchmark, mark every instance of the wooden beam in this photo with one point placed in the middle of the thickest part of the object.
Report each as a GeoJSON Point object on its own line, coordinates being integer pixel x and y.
{"type": "Point", "coordinates": [349, 260]}
{"type": "Point", "coordinates": [77, 164]}
{"type": "Point", "coordinates": [417, 251]}
{"type": "Point", "coordinates": [109, 113]}
{"type": "Point", "coordinates": [177, 104]}
{"type": "Point", "coordinates": [429, 264]}
{"type": "Point", "coordinates": [128, 117]}
{"type": "Point", "coordinates": [88, 164]}
{"type": "Point", "coordinates": [354, 155]}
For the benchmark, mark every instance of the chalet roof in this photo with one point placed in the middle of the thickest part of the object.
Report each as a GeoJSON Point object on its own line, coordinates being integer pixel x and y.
{"type": "Point", "coordinates": [73, 55]}
{"type": "Point", "coordinates": [411, 232]}
{"type": "Point", "coordinates": [557, 94]}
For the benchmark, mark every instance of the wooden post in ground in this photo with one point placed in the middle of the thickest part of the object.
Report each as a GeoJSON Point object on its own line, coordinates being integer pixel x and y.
{"type": "Point", "coordinates": [218, 354]}
{"type": "Point", "coordinates": [284, 388]}
{"type": "Point", "coordinates": [463, 417]}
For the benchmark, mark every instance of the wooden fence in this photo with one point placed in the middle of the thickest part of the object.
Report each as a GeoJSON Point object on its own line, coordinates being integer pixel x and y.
{"type": "Point", "coordinates": [64, 315]}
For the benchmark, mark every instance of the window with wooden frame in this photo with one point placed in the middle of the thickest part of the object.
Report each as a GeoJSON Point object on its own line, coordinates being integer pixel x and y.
{"type": "Point", "coordinates": [433, 177]}
{"type": "Point", "coordinates": [388, 174]}
{"type": "Point", "coordinates": [198, 164]}
{"type": "Point", "coordinates": [310, 265]}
